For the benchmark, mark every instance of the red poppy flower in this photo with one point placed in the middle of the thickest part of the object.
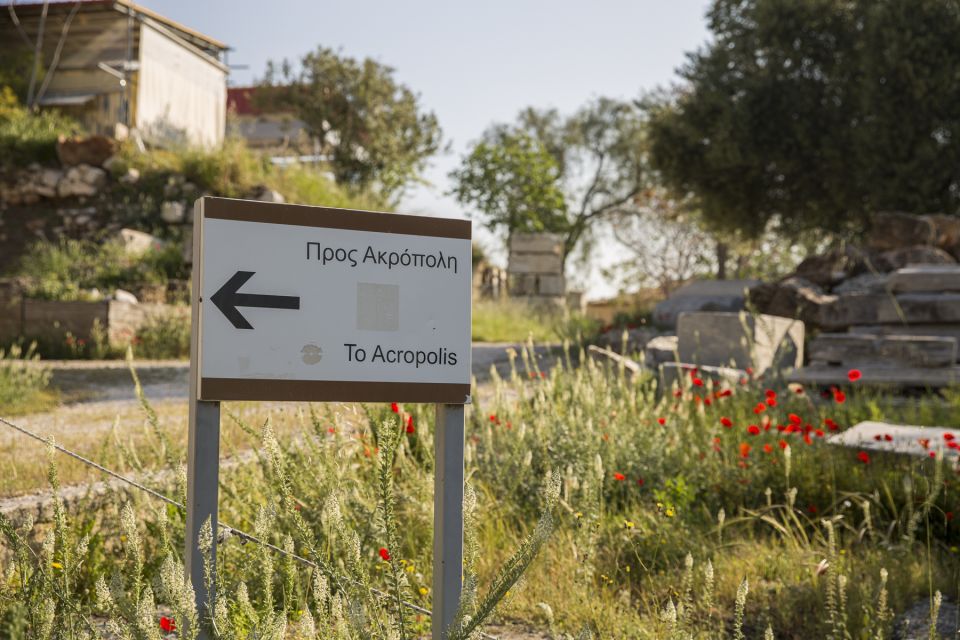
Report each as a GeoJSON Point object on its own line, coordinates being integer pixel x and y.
{"type": "Point", "coordinates": [854, 374]}
{"type": "Point", "coordinates": [727, 422]}
{"type": "Point", "coordinates": [394, 407]}
{"type": "Point", "coordinates": [707, 401]}
{"type": "Point", "coordinates": [888, 437]}
{"type": "Point", "coordinates": [410, 428]}
{"type": "Point", "coordinates": [807, 438]}
{"type": "Point", "coordinates": [833, 426]}
{"type": "Point", "coordinates": [770, 393]}
{"type": "Point", "coordinates": [677, 393]}
{"type": "Point", "coordinates": [697, 382]}
{"type": "Point", "coordinates": [798, 391]}
{"type": "Point", "coordinates": [167, 624]}
{"type": "Point", "coordinates": [726, 393]}
{"type": "Point", "coordinates": [818, 433]}
{"type": "Point", "coordinates": [933, 454]}
{"type": "Point", "coordinates": [768, 448]}
{"type": "Point", "coordinates": [754, 430]}
{"type": "Point", "coordinates": [619, 476]}
{"type": "Point", "coordinates": [948, 436]}
{"type": "Point", "coordinates": [772, 402]}
{"type": "Point", "coordinates": [331, 430]}
{"type": "Point", "coordinates": [924, 442]}
{"type": "Point", "coordinates": [745, 449]}
{"type": "Point", "coordinates": [812, 508]}
{"type": "Point", "coordinates": [784, 444]}
{"type": "Point", "coordinates": [864, 457]}
{"type": "Point", "coordinates": [794, 418]}
{"type": "Point", "coordinates": [749, 371]}
{"type": "Point", "coordinates": [640, 481]}
{"type": "Point", "coordinates": [760, 408]}
{"type": "Point", "coordinates": [839, 396]}
{"type": "Point", "coordinates": [384, 554]}
{"type": "Point", "coordinates": [662, 421]}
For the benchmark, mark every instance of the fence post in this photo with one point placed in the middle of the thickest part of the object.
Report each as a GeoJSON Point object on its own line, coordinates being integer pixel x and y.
{"type": "Point", "coordinates": [447, 516]}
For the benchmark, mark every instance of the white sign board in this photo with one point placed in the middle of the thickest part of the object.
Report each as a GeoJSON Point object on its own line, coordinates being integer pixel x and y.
{"type": "Point", "coordinates": [311, 303]}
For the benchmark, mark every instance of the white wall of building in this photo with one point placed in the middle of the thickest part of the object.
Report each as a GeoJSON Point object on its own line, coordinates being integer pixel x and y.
{"type": "Point", "coordinates": [180, 94]}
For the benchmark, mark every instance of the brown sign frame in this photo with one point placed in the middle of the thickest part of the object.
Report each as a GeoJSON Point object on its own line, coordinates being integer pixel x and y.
{"type": "Point", "coordinates": [217, 389]}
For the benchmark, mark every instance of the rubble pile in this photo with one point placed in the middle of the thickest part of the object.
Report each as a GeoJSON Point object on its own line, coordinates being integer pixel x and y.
{"type": "Point", "coordinates": [890, 309]}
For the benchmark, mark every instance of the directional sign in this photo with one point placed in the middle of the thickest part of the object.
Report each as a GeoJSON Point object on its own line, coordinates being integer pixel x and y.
{"type": "Point", "coordinates": [311, 303]}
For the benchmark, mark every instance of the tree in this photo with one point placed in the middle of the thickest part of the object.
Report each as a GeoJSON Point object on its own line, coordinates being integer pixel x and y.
{"type": "Point", "coordinates": [373, 128]}
{"type": "Point", "coordinates": [513, 180]}
{"type": "Point", "coordinates": [811, 115]}
{"type": "Point", "coordinates": [598, 169]}
{"type": "Point", "coordinates": [666, 244]}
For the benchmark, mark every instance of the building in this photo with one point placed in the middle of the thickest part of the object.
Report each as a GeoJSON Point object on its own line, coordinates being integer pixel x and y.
{"type": "Point", "coordinates": [264, 127]}
{"type": "Point", "coordinates": [110, 62]}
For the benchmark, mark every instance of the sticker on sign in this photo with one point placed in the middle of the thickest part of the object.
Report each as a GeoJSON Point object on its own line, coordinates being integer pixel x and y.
{"type": "Point", "coordinates": [319, 304]}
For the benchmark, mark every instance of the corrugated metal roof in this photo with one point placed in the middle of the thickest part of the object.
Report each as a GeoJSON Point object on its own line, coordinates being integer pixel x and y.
{"type": "Point", "coordinates": [122, 6]}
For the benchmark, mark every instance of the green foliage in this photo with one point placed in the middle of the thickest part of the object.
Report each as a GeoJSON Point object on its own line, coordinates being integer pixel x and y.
{"type": "Point", "coordinates": [29, 137]}
{"type": "Point", "coordinates": [670, 530]}
{"type": "Point", "coordinates": [810, 115]}
{"type": "Point", "coordinates": [23, 381]}
{"type": "Point", "coordinates": [164, 335]}
{"type": "Point", "coordinates": [598, 169]}
{"type": "Point", "coordinates": [514, 182]}
{"type": "Point", "coordinates": [373, 128]}
{"type": "Point", "coordinates": [235, 171]}
{"type": "Point", "coordinates": [70, 269]}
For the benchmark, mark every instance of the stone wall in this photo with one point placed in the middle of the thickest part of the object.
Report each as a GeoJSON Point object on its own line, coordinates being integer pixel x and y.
{"type": "Point", "coordinates": [52, 320]}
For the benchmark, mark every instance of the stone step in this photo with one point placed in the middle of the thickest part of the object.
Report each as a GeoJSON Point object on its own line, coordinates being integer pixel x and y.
{"type": "Point", "coordinates": [925, 278]}
{"type": "Point", "coordinates": [906, 308]}
{"type": "Point", "coordinates": [853, 349]}
{"type": "Point", "coordinates": [899, 438]}
{"type": "Point", "coordinates": [938, 330]}
{"type": "Point", "coordinates": [883, 376]}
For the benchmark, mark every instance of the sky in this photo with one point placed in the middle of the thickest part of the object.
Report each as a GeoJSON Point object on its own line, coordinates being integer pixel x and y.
{"type": "Point", "coordinates": [473, 63]}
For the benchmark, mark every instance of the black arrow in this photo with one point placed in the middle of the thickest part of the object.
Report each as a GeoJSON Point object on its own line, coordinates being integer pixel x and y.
{"type": "Point", "coordinates": [227, 299]}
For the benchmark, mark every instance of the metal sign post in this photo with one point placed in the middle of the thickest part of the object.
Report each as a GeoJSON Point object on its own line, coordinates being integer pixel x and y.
{"type": "Point", "coordinates": [447, 516]}
{"type": "Point", "coordinates": [294, 303]}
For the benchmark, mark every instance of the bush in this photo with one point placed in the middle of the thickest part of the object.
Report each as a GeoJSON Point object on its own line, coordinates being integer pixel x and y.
{"type": "Point", "coordinates": [235, 171]}
{"type": "Point", "coordinates": [23, 381]}
{"type": "Point", "coordinates": [164, 336]}
{"type": "Point", "coordinates": [72, 269]}
{"type": "Point", "coordinates": [27, 137]}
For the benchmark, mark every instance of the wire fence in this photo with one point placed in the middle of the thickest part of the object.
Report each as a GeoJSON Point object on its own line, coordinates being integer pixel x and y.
{"type": "Point", "coordinates": [226, 530]}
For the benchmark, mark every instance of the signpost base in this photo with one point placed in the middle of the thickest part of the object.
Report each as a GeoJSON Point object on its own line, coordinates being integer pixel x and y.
{"type": "Point", "coordinates": [447, 516]}
{"type": "Point", "coordinates": [203, 481]}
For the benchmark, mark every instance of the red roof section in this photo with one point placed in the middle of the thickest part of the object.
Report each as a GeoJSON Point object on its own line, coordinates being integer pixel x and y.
{"type": "Point", "coordinates": [240, 101]}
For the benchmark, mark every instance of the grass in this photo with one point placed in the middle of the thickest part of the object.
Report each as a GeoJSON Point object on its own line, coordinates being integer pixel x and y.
{"type": "Point", "coordinates": [24, 382]}
{"type": "Point", "coordinates": [516, 321]}
{"type": "Point", "coordinates": [235, 171]}
{"type": "Point", "coordinates": [26, 137]}
{"type": "Point", "coordinates": [73, 269]}
{"type": "Point", "coordinates": [659, 531]}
